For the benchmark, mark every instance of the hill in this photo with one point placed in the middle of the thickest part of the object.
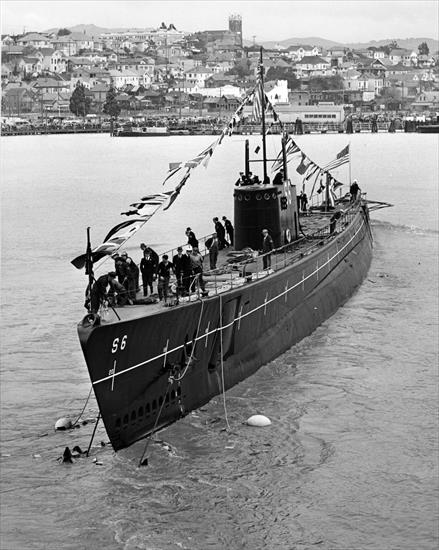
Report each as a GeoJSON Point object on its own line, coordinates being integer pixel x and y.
{"type": "Point", "coordinates": [409, 43]}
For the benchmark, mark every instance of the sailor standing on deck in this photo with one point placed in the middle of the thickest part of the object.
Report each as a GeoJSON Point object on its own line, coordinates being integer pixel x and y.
{"type": "Point", "coordinates": [131, 279]}
{"type": "Point", "coordinates": [229, 229]}
{"type": "Point", "coordinates": [197, 269]}
{"type": "Point", "coordinates": [164, 275]}
{"type": "Point", "coordinates": [182, 265]}
{"type": "Point", "coordinates": [187, 271]}
{"type": "Point", "coordinates": [267, 246]}
{"type": "Point", "coordinates": [221, 233]}
{"type": "Point", "coordinates": [119, 266]}
{"type": "Point", "coordinates": [354, 190]}
{"type": "Point", "coordinates": [213, 246]}
{"type": "Point", "coordinates": [148, 268]}
{"type": "Point", "coordinates": [191, 239]}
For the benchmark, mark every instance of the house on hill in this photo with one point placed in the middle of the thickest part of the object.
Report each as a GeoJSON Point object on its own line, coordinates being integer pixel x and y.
{"type": "Point", "coordinates": [406, 57]}
{"type": "Point", "coordinates": [426, 101]}
{"type": "Point", "coordinates": [313, 65]}
{"type": "Point", "coordinates": [297, 53]}
{"type": "Point", "coordinates": [34, 39]}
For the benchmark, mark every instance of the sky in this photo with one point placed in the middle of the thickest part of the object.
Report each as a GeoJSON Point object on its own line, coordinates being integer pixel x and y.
{"type": "Point", "coordinates": [263, 20]}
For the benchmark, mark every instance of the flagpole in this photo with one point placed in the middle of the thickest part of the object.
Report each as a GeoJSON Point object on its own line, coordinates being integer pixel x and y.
{"type": "Point", "coordinates": [350, 177]}
{"type": "Point", "coordinates": [89, 264]}
{"type": "Point", "coordinates": [264, 147]}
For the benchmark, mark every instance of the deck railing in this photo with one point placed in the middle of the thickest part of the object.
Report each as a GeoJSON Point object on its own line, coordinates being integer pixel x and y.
{"type": "Point", "coordinates": [251, 268]}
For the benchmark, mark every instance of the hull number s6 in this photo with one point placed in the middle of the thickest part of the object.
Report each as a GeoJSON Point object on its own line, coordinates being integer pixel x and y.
{"type": "Point", "coordinates": [119, 344]}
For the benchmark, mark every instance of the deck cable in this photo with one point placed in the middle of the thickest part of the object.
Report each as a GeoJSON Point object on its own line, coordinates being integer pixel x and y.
{"type": "Point", "coordinates": [189, 361]}
{"type": "Point", "coordinates": [171, 379]}
{"type": "Point", "coordinates": [222, 362]}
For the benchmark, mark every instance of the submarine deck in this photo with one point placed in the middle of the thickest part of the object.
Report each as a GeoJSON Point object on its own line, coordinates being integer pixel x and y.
{"type": "Point", "coordinates": [237, 268]}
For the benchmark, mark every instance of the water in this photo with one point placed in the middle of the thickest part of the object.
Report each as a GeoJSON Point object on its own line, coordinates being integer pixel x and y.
{"type": "Point", "coordinates": [351, 460]}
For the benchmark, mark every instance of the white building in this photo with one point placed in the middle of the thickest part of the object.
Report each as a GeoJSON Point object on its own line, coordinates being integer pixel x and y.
{"type": "Point", "coordinates": [277, 92]}
{"type": "Point", "coordinates": [198, 76]}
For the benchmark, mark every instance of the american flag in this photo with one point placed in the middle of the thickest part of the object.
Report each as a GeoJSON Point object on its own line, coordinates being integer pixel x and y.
{"type": "Point", "coordinates": [341, 158]}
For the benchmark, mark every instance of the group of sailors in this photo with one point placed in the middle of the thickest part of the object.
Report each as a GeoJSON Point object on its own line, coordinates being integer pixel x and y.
{"type": "Point", "coordinates": [120, 286]}
{"type": "Point", "coordinates": [250, 179]}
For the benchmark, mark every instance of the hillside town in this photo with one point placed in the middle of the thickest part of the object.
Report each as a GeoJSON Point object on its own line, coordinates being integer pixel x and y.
{"type": "Point", "coordinates": [170, 74]}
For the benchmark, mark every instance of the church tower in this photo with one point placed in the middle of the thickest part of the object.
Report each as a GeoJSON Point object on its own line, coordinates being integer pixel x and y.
{"type": "Point", "coordinates": [235, 26]}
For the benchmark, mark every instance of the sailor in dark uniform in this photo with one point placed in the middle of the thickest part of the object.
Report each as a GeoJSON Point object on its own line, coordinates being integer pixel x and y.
{"type": "Point", "coordinates": [148, 268]}
{"type": "Point", "coordinates": [279, 178]}
{"type": "Point", "coordinates": [229, 229]}
{"type": "Point", "coordinates": [354, 190]}
{"type": "Point", "coordinates": [221, 233]}
{"type": "Point", "coordinates": [267, 246]}
{"type": "Point", "coordinates": [106, 288]}
{"type": "Point", "coordinates": [182, 264]}
{"type": "Point", "coordinates": [191, 239]}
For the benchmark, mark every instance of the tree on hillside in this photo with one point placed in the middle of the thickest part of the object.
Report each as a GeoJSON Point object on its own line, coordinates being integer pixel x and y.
{"type": "Point", "coordinates": [241, 69]}
{"type": "Point", "coordinates": [320, 83]}
{"type": "Point", "coordinates": [393, 45]}
{"type": "Point", "coordinates": [111, 106]}
{"type": "Point", "coordinates": [423, 48]}
{"type": "Point", "coordinates": [283, 73]}
{"type": "Point", "coordinates": [79, 102]}
{"type": "Point", "coordinates": [63, 32]}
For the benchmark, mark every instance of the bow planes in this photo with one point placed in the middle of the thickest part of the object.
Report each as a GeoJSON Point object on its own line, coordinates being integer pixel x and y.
{"type": "Point", "coordinates": [151, 365]}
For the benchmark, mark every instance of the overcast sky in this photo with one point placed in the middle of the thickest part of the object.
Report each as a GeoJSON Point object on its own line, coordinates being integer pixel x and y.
{"type": "Point", "coordinates": [338, 20]}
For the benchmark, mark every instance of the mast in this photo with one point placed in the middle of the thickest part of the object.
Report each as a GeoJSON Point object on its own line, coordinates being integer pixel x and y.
{"type": "Point", "coordinates": [89, 262]}
{"type": "Point", "coordinates": [247, 157]}
{"type": "Point", "coordinates": [284, 155]}
{"type": "Point", "coordinates": [262, 92]}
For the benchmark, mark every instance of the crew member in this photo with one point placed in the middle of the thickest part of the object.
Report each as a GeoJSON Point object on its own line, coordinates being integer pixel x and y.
{"type": "Point", "coordinates": [181, 263]}
{"type": "Point", "coordinates": [229, 229]}
{"type": "Point", "coordinates": [197, 269]}
{"type": "Point", "coordinates": [267, 247]}
{"type": "Point", "coordinates": [221, 233]}
{"type": "Point", "coordinates": [354, 190]}
{"type": "Point", "coordinates": [213, 246]}
{"type": "Point", "coordinates": [131, 279]}
{"type": "Point", "coordinates": [116, 292]}
{"type": "Point", "coordinates": [164, 275]}
{"type": "Point", "coordinates": [279, 178]}
{"type": "Point", "coordinates": [191, 239]}
{"type": "Point", "coordinates": [148, 268]}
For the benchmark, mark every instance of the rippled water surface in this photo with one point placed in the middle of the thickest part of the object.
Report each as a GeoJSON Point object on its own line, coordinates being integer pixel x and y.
{"type": "Point", "coordinates": [351, 459]}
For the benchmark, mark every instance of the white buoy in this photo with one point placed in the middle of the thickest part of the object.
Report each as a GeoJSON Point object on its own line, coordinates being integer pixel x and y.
{"type": "Point", "coordinates": [63, 424]}
{"type": "Point", "coordinates": [258, 420]}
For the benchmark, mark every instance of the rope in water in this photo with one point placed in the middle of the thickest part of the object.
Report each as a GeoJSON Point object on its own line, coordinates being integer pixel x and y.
{"type": "Point", "coordinates": [171, 380]}
{"type": "Point", "coordinates": [83, 409]}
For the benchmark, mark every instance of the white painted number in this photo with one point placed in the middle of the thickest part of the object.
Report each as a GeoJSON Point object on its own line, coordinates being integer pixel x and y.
{"type": "Point", "coordinates": [123, 344]}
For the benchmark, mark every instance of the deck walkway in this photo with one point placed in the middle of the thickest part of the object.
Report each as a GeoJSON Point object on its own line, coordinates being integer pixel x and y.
{"type": "Point", "coordinates": [234, 269]}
